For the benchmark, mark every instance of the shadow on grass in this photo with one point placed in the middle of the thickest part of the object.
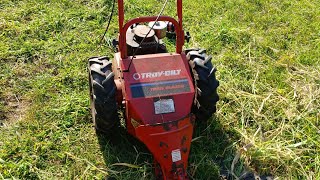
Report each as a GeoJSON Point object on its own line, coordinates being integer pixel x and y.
{"type": "Point", "coordinates": [212, 153]}
{"type": "Point", "coordinates": [120, 147]}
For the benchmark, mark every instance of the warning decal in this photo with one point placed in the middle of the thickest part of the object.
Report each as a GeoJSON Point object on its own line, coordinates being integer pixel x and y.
{"type": "Point", "coordinates": [163, 106]}
{"type": "Point", "coordinates": [176, 155]}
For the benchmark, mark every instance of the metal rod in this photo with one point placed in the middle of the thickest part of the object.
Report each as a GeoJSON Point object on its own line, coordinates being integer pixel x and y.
{"type": "Point", "coordinates": [121, 20]}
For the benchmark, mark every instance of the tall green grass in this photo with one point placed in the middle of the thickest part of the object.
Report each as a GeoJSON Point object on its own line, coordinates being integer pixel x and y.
{"type": "Point", "coordinates": [267, 54]}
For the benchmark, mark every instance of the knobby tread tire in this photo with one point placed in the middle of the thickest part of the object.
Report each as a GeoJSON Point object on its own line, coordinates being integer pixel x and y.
{"type": "Point", "coordinates": [205, 81]}
{"type": "Point", "coordinates": [102, 94]}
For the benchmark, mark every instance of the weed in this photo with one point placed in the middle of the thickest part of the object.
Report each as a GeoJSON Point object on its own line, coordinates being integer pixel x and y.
{"type": "Point", "coordinates": [267, 54]}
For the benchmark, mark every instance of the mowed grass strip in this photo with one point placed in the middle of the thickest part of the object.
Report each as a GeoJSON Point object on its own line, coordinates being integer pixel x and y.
{"type": "Point", "coordinates": [267, 54]}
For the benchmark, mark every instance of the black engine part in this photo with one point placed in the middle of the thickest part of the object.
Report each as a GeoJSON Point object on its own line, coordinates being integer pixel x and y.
{"type": "Point", "coordinates": [150, 45]}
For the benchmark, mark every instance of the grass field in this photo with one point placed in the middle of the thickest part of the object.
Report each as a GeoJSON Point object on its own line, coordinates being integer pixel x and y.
{"type": "Point", "coordinates": [268, 117]}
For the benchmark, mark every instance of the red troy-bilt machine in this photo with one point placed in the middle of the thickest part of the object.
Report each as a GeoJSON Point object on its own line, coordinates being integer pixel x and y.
{"type": "Point", "coordinates": [161, 93]}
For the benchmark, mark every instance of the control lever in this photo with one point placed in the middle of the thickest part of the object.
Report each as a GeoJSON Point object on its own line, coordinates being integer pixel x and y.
{"type": "Point", "coordinates": [187, 36]}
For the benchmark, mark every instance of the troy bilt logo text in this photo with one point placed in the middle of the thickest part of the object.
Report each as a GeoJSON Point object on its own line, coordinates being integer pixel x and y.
{"type": "Point", "coordinates": [147, 75]}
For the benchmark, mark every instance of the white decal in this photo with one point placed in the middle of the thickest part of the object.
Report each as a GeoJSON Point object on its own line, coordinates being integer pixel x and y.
{"type": "Point", "coordinates": [176, 155]}
{"type": "Point", "coordinates": [137, 76]}
{"type": "Point", "coordinates": [163, 106]}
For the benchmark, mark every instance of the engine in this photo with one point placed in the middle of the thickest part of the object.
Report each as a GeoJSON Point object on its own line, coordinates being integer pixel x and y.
{"type": "Point", "coordinates": [141, 39]}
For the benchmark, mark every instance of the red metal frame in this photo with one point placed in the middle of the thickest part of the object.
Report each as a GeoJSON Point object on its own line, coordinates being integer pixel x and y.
{"type": "Point", "coordinates": [124, 27]}
{"type": "Point", "coordinates": [162, 143]}
{"type": "Point", "coordinates": [163, 134]}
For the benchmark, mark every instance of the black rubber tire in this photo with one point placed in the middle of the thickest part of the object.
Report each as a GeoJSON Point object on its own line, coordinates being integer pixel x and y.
{"type": "Point", "coordinates": [102, 94]}
{"type": "Point", "coordinates": [205, 81]}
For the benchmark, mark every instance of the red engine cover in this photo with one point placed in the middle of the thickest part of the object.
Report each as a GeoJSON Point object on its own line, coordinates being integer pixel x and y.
{"type": "Point", "coordinates": [156, 77]}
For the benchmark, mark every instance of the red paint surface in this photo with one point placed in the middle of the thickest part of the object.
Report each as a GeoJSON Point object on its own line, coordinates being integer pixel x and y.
{"type": "Point", "coordinates": [162, 142]}
{"type": "Point", "coordinates": [161, 133]}
{"type": "Point", "coordinates": [170, 129]}
{"type": "Point", "coordinates": [142, 109]}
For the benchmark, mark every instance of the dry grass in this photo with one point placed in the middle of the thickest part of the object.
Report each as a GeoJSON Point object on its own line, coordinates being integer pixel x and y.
{"type": "Point", "coordinates": [267, 54]}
